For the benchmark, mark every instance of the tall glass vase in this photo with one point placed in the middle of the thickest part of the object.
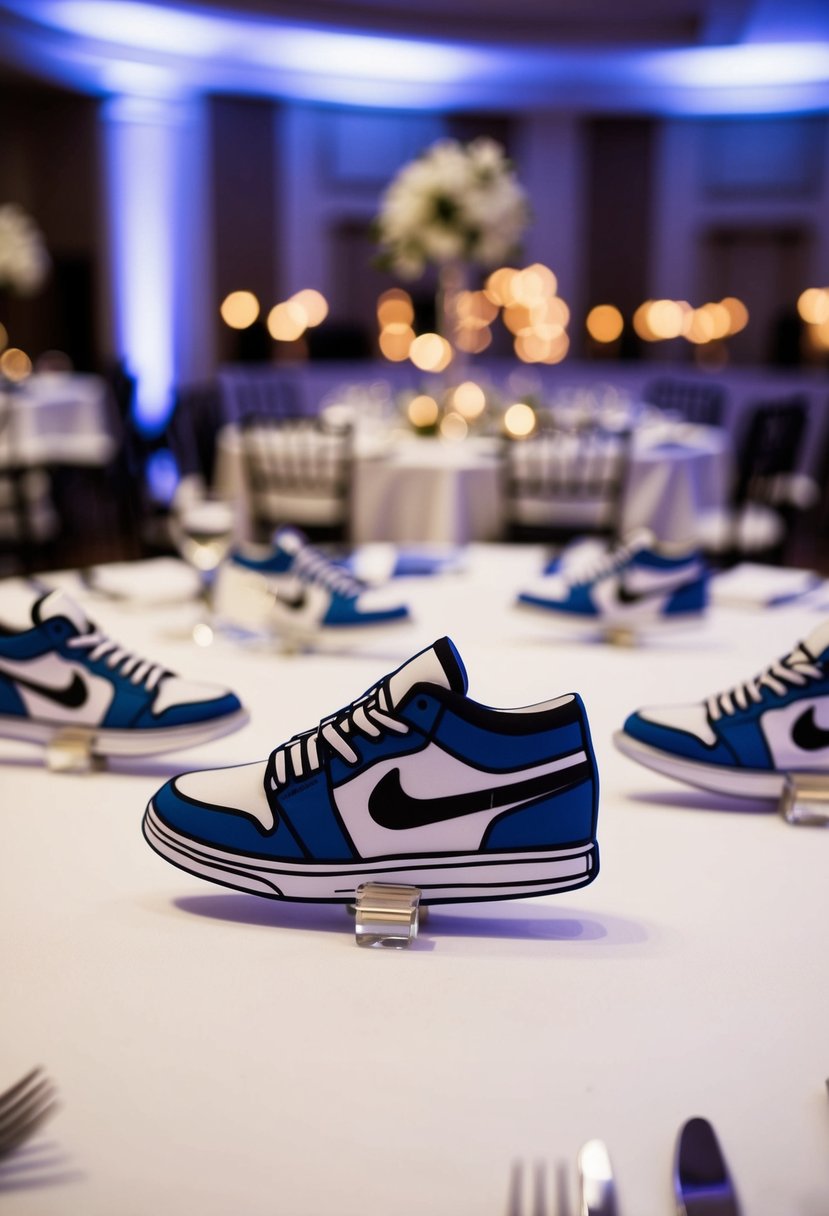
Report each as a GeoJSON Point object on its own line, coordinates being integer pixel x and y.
{"type": "Point", "coordinates": [453, 282]}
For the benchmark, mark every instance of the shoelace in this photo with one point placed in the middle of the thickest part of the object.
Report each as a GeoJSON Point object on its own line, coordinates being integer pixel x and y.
{"type": "Point", "coordinates": [138, 670]}
{"type": "Point", "coordinates": [603, 563]}
{"type": "Point", "coordinates": [371, 714]}
{"type": "Point", "coordinates": [797, 668]}
{"type": "Point", "coordinates": [312, 566]}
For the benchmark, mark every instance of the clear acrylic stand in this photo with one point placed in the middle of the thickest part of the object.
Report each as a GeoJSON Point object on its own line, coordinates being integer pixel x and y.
{"type": "Point", "coordinates": [620, 636]}
{"type": "Point", "coordinates": [805, 799]}
{"type": "Point", "coordinates": [72, 750]}
{"type": "Point", "coordinates": [386, 915]}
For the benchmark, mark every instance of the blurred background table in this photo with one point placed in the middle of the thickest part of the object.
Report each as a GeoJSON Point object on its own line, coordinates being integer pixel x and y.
{"type": "Point", "coordinates": [409, 488]}
{"type": "Point", "coordinates": [218, 1052]}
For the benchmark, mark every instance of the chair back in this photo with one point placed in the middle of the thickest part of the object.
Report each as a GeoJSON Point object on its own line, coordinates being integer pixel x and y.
{"type": "Point", "coordinates": [198, 416]}
{"type": "Point", "coordinates": [297, 471]}
{"type": "Point", "coordinates": [28, 518]}
{"type": "Point", "coordinates": [561, 484]}
{"type": "Point", "coordinates": [769, 450]}
{"type": "Point", "coordinates": [263, 391]}
{"type": "Point", "coordinates": [693, 400]}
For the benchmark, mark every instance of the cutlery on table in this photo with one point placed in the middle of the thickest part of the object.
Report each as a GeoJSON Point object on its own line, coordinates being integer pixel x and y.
{"type": "Point", "coordinates": [701, 1180]}
{"type": "Point", "coordinates": [597, 1189]}
{"type": "Point", "coordinates": [23, 1107]}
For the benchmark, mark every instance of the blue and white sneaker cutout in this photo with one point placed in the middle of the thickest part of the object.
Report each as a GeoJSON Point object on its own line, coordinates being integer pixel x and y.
{"type": "Point", "coordinates": [744, 741]}
{"type": "Point", "coordinates": [414, 783]}
{"type": "Point", "coordinates": [292, 588]}
{"type": "Point", "coordinates": [62, 672]}
{"type": "Point", "coordinates": [637, 584]}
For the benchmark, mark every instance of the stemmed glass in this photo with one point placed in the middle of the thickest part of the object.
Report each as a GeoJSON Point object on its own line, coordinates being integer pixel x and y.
{"type": "Point", "coordinates": [203, 529]}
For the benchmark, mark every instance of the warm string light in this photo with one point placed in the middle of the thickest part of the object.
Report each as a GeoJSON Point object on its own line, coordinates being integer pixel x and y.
{"type": "Point", "coordinates": [663, 320]}
{"type": "Point", "coordinates": [287, 321]}
{"type": "Point", "coordinates": [813, 310]}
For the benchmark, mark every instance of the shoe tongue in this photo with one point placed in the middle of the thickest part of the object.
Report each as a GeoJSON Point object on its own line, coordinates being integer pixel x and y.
{"type": "Point", "coordinates": [438, 664]}
{"type": "Point", "coordinates": [818, 640]}
{"type": "Point", "coordinates": [289, 540]}
{"type": "Point", "coordinates": [58, 604]}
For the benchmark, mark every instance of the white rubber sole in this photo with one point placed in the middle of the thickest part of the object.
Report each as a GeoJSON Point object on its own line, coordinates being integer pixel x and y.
{"type": "Point", "coordinates": [458, 878]}
{"type": "Point", "coordinates": [736, 782]}
{"type": "Point", "coordinates": [615, 624]}
{"type": "Point", "coordinates": [137, 742]}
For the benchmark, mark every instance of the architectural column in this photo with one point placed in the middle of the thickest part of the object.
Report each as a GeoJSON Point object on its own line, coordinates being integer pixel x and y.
{"type": "Point", "coordinates": [550, 164]}
{"type": "Point", "coordinates": [160, 268]}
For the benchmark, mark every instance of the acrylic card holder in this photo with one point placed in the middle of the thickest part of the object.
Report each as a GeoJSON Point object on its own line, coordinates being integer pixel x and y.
{"type": "Point", "coordinates": [386, 915]}
{"type": "Point", "coordinates": [72, 750]}
{"type": "Point", "coordinates": [805, 799]}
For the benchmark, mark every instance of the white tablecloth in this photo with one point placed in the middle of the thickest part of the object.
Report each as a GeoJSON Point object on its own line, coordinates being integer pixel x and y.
{"type": "Point", "coordinates": [217, 1052]}
{"type": "Point", "coordinates": [409, 488]}
{"type": "Point", "coordinates": [57, 417]}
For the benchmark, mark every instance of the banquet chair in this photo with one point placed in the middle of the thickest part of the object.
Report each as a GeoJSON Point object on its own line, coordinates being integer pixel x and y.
{"type": "Point", "coordinates": [259, 392]}
{"type": "Point", "coordinates": [691, 400]}
{"type": "Point", "coordinates": [29, 522]}
{"type": "Point", "coordinates": [561, 484]}
{"type": "Point", "coordinates": [297, 471]}
{"type": "Point", "coordinates": [198, 416]}
{"type": "Point", "coordinates": [768, 492]}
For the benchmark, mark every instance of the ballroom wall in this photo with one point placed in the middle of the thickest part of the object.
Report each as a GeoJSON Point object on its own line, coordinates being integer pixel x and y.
{"type": "Point", "coordinates": [624, 208]}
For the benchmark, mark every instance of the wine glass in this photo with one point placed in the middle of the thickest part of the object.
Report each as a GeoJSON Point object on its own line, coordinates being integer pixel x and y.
{"type": "Point", "coordinates": [203, 529]}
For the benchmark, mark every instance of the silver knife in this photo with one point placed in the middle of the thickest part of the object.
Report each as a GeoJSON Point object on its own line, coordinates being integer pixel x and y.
{"type": "Point", "coordinates": [701, 1179]}
{"type": "Point", "coordinates": [597, 1190]}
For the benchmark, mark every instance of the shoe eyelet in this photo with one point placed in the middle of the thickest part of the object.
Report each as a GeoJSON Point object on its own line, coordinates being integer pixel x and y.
{"type": "Point", "coordinates": [422, 703]}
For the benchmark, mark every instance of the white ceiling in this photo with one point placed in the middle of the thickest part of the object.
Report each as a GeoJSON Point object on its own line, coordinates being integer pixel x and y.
{"type": "Point", "coordinates": [664, 56]}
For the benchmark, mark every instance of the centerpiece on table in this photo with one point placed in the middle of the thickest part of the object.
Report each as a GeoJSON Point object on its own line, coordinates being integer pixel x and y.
{"type": "Point", "coordinates": [24, 262]}
{"type": "Point", "coordinates": [454, 207]}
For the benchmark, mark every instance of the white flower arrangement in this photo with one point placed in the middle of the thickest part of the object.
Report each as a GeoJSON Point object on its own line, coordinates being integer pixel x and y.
{"type": "Point", "coordinates": [24, 262]}
{"type": "Point", "coordinates": [453, 203]}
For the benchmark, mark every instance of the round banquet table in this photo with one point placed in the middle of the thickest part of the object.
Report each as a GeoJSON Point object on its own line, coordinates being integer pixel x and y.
{"type": "Point", "coordinates": [217, 1052]}
{"type": "Point", "coordinates": [57, 418]}
{"type": "Point", "coordinates": [408, 488]}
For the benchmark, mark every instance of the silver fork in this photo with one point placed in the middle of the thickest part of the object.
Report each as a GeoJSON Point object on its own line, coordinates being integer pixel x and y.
{"type": "Point", "coordinates": [536, 1202]}
{"type": "Point", "coordinates": [24, 1107]}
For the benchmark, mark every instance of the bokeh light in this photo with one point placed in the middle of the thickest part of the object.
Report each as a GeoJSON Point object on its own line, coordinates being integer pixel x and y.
{"type": "Point", "coordinates": [430, 352]}
{"type": "Point", "coordinates": [395, 341]}
{"type": "Point", "coordinates": [453, 426]}
{"type": "Point", "coordinates": [519, 420]}
{"type": "Point", "coordinates": [423, 411]}
{"type": "Point", "coordinates": [395, 307]}
{"type": "Point", "coordinates": [469, 400]}
{"type": "Point", "coordinates": [313, 304]}
{"type": "Point", "coordinates": [15, 364]}
{"type": "Point", "coordinates": [604, 323]}
{"type": "Point", "coordinates": [287, 321]}
{"type": "Point", "coordinates": [813, 305]}
{"type": "Point", "coordinates": [239, 309]}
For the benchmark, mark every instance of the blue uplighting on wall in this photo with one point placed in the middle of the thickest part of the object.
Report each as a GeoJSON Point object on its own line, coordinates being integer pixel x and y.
{"type": "Point", "coordinates": [141, 182]}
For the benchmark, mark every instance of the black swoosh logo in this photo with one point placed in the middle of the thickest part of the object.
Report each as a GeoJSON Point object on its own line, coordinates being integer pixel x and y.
{"type": "Point", "coordinates": [806, 733]}
{"type": "Point", "coordinates": [625, 595]}
{"type": "Point", "coordinates": [295, 600]}
{"type": "Point", "coordinates": [71, 696]}
{"type": "Point", "coordinates": [391, 807]}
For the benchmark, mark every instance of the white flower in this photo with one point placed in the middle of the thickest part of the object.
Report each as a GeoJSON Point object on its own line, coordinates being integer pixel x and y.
{"type": "Point", "coordinates": [24, 262]}
{"type": "Point", "coordinates": [454, 202]}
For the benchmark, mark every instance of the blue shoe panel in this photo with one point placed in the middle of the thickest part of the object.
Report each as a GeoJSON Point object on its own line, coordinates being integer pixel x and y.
{"type": "Point", "coordinates": [497, 751]}
{"type": "Point", "coordinates": [677, 742]}
{"type": "Point", "coordinates": [346, 610]}
{"type": "Point", "coordinates": [693, 597]}
{"type": "Point", "coordinates": [309, 810]}
{"type": "Point", "coordinates": [566, 818]}
{"type": "Point", "coordinates": [225, 829]}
